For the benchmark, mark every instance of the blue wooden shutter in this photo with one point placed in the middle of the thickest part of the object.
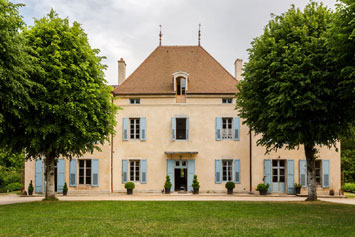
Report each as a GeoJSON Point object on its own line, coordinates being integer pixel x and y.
{"type": "Point", "coordinates": [125, 129]}
{"type": "Point", "coordinates": [325, 173]}
{"type": "Point", "coordinates": [303, 173]}
{"type": "Point", "coordinates": [95, 172]}
{"type": "Point", "coordinates": [236, 128]}
{"type": "Point", "coordinates": [72, 171]}
{"type": "Point", "coordinates": [170, 172]}
{"type": "Point", "coordinates": [218, 171]}
{"type": "Point", "coordinates": [60, 175]}
{"type": "Point", "coordinates": [124, 171]}
{"type": "Point", "coordinates": [218, 128]}
{"type": "Point", "coordinates": [142, 129]}
{"type": "Point", "coordinates": [290, 177]}
{"type": "Point", "coordinates": [187, 128]}
{"type": "Point", "coordinates": [267, 174]}
{"type": "Point", "coordinates": [237, 171]}
{"type": "Point", "coordinates": [143, 171]}
{"type": "Point", "coordinates": [39, 176]}
{"type": "Point", "coordinates": [190, 174]}
{"type": "Point", "coordinates": [173, 128]}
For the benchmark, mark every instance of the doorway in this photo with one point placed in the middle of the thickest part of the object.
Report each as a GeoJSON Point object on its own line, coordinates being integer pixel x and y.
{"type": "Point", "coordinates": [180, 175]}
{"type": "Point", "coordinates": [278, 176]}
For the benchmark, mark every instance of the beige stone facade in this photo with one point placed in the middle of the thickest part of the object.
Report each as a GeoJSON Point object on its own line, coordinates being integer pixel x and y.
{"type": "Point", "coordinates": [146, 147]}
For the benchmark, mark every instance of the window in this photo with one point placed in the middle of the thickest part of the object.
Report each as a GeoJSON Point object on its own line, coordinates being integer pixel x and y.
{"type": "Point", "coordinates": [227, 170]}
{"type": "Point", "coordinates": [180, 86]}
{"type": "Point", "coordinates": [227, 101]}
{"type": "Point", "coordinates": [318, 172]}
{"type": "Point", "coordinates": [84, 171]}
{"type": "Point", "coordinates": [134, 169]}
{"type": "Point", "coordinates": [181, 128]}
{"type": "Point", "coordinates": [134, 128]}
{"type": "Point", "coordinates": [227, 128]}
{"type": "Point", "coordinates": [134, 101]}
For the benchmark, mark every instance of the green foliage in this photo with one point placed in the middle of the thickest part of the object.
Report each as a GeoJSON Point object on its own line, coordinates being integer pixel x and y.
{"type": "Point", "coordinates": [30, 187]}
{"type": "Point", "coordinates": [75, 109]}
{"type": "Point", "coordinates": [349, 187]}
{"type": "Point", "coordinates": [129, 185]}
{"type": "Point", "coordinates": [195, 183]}
{"type": "Point", "coordinates": [287, 95]}
{"type": "Point", "coordinates": [15, 64]}
{"type": "Point", "coordinates": [167, 182]}
{"type": "Point", "coordinates": [348, 165]}
{"type": "Point", "coordinates": [12, 160]}
{"type": "Point", "coordinates": [296, 185]}
{"type": "Point", "coordinates": [14, 187]}
{"type": "Point", "coordinates": [65, 188]}
{"type": "Point", "coordinates": [341, 43]}
{"type": "Point", "coordinates": [262, 187]}
{"type": "Point", "coordinates": [230, 185]}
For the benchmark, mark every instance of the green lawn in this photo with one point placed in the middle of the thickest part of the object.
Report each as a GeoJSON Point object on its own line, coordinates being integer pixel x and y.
{"type": "Point", "coordinates": [349, 195]}
{"type": "Point", "coordinates": [177, 219]}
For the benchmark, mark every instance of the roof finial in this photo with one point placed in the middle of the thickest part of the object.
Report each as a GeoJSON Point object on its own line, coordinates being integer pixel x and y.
{"type": "Point", "coordinates": [160, 35]}
{"type": "Point", "coordinates": [199, 34]}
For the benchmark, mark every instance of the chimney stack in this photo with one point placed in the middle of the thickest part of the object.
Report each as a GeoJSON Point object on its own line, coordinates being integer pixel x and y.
{"type": "Point", "coordinates": [121, 71]}
{"type": "Point", "coordinates": [238, 64]}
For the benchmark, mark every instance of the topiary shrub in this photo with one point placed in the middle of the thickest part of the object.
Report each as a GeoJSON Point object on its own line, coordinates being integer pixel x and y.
{"type": "Point", "coordinates": [30, 188]}
{"type": "Point", "coordinates": [167, 182]}
{"type": "Point", "coordinates": [262, 187]}
{"type": "Point", "coordinates": [129, 185]}
{"type": "Point", "coordinates": [230, 185]}
{"type": "Point", "coordinates": [195, 183]}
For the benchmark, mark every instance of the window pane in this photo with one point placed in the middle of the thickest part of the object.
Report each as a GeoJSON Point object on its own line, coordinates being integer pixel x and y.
{"type": "Point", "coordinates": [282, 179]}
{"type": "Point", "coordinates": [88, 163]}
{"type": "Point", "coordinates": [81, 172]}
{"type": "Point", "coordinates": [88, 180]}
{"type": "Point", "coordinates": [177, 163]}
{"type": "Point", "coordinates": [282, 172]}
{"type": "Point", "coordinates": [81, 180]}
{"type": "Point", "coordinates": [81, 163]}
{"type": "Point", "coordinates": [274, 179]}
{"type": "Point", "coordinates": [274, 171]}
{"type": "Point", "coordinates": [282, 163]}
{"type": "Point", "coordinates": [180, 128]}
{"type": "Point", "coordinates": [274, 163]}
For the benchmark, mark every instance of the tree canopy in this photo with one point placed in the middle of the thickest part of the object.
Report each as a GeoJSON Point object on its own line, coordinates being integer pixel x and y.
{"type": "Point", "coordinates": [15, 84]}
{"type": "Point", "coordinates": [289, 95]}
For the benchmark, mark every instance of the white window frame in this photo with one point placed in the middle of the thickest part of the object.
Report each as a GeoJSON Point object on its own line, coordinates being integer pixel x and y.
{"type": "Point", "coordinates": [229, 170]}
{"type": "Point", "coordinates": [85, 171]}
{"type": "Point", "coordinates": [136, 165]}
{"type": "Point", "coordinates": [227, 100]}
{"type": "Point", "coordinates": [136, 131]}
{"type": "Point", "coordinates": [134, 101]}
{"type": "Point", "coordinates": [227, 134]}
{"type": "Point", "coordinates": [178, 75]}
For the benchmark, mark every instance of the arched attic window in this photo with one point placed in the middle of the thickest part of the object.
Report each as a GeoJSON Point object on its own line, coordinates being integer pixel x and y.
{"type": "Point", "coordinates": [180, 85]}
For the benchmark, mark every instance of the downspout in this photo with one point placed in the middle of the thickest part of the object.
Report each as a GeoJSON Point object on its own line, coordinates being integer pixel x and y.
{"type": "Point", "coordinates": [112, 159]}
{"type": "Point", "coordinates": [250, 162]}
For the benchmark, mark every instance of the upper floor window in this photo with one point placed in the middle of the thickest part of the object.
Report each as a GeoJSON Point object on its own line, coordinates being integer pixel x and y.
{"type": "Point", "coordinates": [134, 124]}
{"type": "Point", "coordinates": [227, 100]}
{"type": "Point", "coordinates": [135, 101]}
{"type": "Point", "coordinates": [227, 128]}
{"type": "Point", "coordinates": [180, 128]}
{"type": "Point", "coordinates": [180, 86]}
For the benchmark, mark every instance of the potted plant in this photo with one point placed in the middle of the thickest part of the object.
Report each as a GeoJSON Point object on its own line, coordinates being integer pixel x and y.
{"type": "Point", "coordinates": [230, 186]}
{"type": "Point", "coordinates": [65, 189]}
{"type": "Point", "coordinates": [297, 188]}
{"type": "Point", "coordinates": [30, 188]}
{"type": "Point", "coordinates": [167, 185]}
{"type": "Point", "coordinates": [129, 186]}
{"type": "Point", "coordinates": [196, 185]}
{"type": "Point", "coordinates": [262, 188]}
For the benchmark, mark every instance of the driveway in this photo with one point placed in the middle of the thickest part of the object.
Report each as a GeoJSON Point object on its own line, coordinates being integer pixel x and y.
{"type": "Point", "coordinates": [13, 198]}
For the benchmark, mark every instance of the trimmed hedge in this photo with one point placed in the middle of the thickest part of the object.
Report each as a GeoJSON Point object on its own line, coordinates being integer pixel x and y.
{"type": "Point", "coordinates": [349, 187]}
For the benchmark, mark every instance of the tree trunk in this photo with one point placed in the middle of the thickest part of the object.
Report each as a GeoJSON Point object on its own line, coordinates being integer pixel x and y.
{"type": "Point", "coordinates": [50, 185]}
{"type": "Point", "coordinates": [310, 152]}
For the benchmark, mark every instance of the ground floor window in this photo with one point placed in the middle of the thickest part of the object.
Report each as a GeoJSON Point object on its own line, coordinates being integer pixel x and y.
{"type": "Point", "coordinates": [84, 171]}
{"type": "Point", "coordinates": [227, 166]}
{"type": "Point", "coordinates": [134, 168]}
{"type": "Point", "coordinates": [318, 172]}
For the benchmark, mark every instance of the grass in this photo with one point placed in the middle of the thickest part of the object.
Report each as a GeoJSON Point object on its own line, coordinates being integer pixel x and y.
{"type": "Point", "coordinates": [13, 192]}
{"type": "Point", "coordinates": [114, 218]}
{"type": "Point", "coordinates": [349, 195]}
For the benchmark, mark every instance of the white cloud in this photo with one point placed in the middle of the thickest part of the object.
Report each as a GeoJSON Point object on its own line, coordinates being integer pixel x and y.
{"type": "Point", "coordinates": [129, 28]}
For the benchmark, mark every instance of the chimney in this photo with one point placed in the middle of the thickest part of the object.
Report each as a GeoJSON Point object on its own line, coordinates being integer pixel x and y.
{"type": "Point", "coordinates": [238, 64]}
{"type": "Point", "coordinates": [121, 71]}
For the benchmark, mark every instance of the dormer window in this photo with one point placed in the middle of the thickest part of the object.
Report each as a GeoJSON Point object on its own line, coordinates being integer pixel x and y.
{"type": "Point", "coordinates": [180, 80]}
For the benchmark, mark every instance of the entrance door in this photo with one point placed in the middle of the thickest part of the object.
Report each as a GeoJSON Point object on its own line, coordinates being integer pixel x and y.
{"type": "Point", "coordinates": [278, 176]}
{"type": "Point", "coordinates": [180, 175]}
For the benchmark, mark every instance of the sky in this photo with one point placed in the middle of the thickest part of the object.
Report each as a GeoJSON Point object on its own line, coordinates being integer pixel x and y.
{"type": "Point", "coordinates": [129, 29]}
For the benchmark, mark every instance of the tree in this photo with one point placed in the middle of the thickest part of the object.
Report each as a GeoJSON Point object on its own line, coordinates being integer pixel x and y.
{"type": "Point", "coordinates": [14, 67]}
{"type": "Point", "coordinates": [75, 109]}
{"type": "Point", "coordinates": [288, 95]}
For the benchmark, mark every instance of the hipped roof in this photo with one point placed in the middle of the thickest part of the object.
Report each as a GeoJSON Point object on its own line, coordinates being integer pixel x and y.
{"type": "Point", "coordinates": [154, 75]}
